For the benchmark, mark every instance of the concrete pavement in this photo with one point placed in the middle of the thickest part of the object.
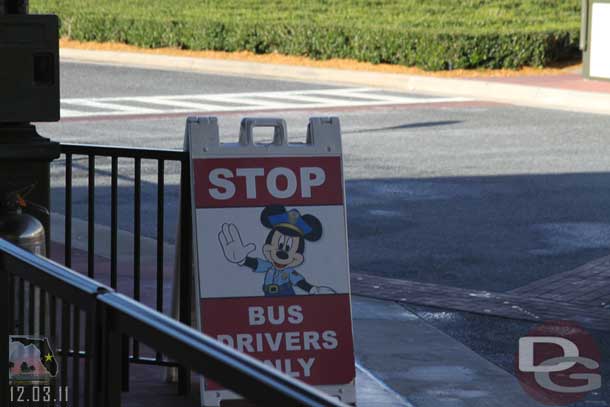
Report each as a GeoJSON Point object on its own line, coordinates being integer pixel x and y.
{"type": "Point", "coordinates": [472, 195]}
{"type": "Point", "coordinates": [428, 367]}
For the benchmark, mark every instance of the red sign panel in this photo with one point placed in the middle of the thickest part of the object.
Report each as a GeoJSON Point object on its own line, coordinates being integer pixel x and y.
{"type": "Point", "coordinates": [307, 337]}
{"type": "Point", "coordinates": [271, 245]}
{"type": "Point", "coordinates": [240, 182]}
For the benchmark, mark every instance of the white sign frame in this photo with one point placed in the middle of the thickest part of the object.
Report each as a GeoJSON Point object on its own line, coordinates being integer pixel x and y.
{"type": "Point", "coordinates": [202, 139]}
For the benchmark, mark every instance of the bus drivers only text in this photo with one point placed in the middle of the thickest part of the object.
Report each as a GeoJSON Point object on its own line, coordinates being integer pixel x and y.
{"type": "Point", "coordinates": [281, 342]}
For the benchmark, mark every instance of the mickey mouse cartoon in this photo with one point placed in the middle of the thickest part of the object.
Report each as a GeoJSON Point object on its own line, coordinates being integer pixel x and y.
{"type": "Point", "coordinates": [283, 250]}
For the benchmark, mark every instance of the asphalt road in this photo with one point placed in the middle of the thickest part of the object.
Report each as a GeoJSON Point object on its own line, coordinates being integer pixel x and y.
{"type": "Point", "coordinates": [461, 193]}
{"type": "Point", "coordinates": [466, 194]}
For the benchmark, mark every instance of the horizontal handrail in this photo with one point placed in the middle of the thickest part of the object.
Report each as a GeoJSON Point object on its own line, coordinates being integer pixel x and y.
{"type": "Point", "coordinates": [124, 316]}
{"type": "Point", "coordinates": [40, 271]}
{"type": "Point", "coordinates": [127, 152]}
{"type": "Point", "coordinates": [237, 371]}
{"type": "Point", "coordinates": [38, 310]}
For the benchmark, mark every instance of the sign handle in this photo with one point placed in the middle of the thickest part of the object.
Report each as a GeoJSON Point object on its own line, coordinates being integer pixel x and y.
{"type": "Point", "coordinates": [280, 135]}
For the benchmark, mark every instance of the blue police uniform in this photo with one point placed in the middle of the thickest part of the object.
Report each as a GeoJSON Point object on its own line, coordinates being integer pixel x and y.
{"type": "Point", "coordinates": [277, 282]}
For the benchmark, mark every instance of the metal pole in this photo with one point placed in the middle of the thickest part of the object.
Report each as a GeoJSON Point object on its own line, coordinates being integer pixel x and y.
{"type": "Point", "coordinates": [186, 265]}
{"type": "Point", "coordinates": [584, 24]}
{"type": "Point", "coordinates": [24, 154]}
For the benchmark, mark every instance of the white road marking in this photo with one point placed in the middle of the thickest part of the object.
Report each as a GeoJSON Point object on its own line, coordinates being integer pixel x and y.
{"type": "Point", "coordinates": [228, 102]}
{"type": "Point", "coordinates": [72, 113]}
{"type": "Point", "coordinates": [368, 94]}
{"type": "Point", "coordinates": [322, 101]}
{"type": "Point", "coordinates": [250, 101]}
{"type": "Point", "coordinates": [113, 107]}
{"type": "Point", "coordinates": [164, 101]}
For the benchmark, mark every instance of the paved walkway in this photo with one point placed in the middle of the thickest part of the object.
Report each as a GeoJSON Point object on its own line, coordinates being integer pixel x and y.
{"type": "Point", "coordinates": [579, 295]}
{"type": "Point", "coordinates": [587, 285]}
{"type": "Point", "coordinates": [569, 81]}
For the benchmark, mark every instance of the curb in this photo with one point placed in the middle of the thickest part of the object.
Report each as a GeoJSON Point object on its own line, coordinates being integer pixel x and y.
{"type": "Point", "coordinates": [521, 95]}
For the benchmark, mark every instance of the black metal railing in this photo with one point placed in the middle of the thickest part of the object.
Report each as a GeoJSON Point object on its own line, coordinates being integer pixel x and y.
{"type": "Point", "coordinates": [43, 298]}
{"type": "Point", "coordinates": [133, 171]}
{"type": "Point", "coordinates": [109, 318]}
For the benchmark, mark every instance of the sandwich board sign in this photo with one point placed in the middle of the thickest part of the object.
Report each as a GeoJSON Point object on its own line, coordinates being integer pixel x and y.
{"type": "Point", "coordinates": [270, 245]}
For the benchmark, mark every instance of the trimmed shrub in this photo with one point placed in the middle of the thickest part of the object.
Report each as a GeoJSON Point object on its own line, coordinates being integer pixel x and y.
{"type": "Point", "coordinates": [434, 42]}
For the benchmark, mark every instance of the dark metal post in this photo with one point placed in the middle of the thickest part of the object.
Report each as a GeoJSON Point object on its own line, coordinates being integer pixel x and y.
{"type": "Point", "coordinates": [124, 362]}
{"type": "Point", "coordinates": [30, 93]}
{"type": "Point", "coordinates": [115, 359]}
{"type": "Point", "coordinates": [186, 264]}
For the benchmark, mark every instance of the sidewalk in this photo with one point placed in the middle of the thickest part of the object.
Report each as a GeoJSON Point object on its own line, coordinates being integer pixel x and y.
{"type": "Point", "coordinates": [401, 360]}
{"type": "Point", "coordinates": [564, 92]}
{"type": "Point", "coordinates": [568, 81]}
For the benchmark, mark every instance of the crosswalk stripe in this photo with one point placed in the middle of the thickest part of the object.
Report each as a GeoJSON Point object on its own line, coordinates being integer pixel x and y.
{"type": "Point", "coordinates": [228, 102]}
{"type": "Point", "coordinates": [367, 94]}
{"type": "Point", "coordinates": [176, 103]}
{"type": "Point", "coordinates": [238, 94]}
{"type": "Point", "coordinates": [238, 99]}
{"type": "Point", "coordinates": [310, 99]}
{"type": "Point", "coordinates": [115, 107]}
{"type": "Point", "coordinates": [72, 113]}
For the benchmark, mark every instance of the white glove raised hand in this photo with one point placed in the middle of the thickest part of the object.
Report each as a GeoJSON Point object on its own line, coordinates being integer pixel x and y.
{"type": "Point", "coordinates": [232, 246]}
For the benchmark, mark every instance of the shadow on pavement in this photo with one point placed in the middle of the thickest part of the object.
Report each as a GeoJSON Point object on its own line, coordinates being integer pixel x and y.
{"type": "Point", "coordinates": [493, 233]}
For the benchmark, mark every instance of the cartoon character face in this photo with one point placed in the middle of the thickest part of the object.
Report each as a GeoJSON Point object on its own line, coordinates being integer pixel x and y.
{"type": "Point", "coordinates": [285, 243]}
{"type": "Point", "coordinates": [283, 250]}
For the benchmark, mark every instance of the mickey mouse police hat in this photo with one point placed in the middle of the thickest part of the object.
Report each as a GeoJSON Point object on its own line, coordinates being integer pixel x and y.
{"type": "Point", "coordinates": [291, 220]}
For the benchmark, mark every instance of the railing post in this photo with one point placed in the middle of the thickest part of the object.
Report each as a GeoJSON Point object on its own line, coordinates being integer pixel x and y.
{"type": "Point", "coordinates": [124, 365]}
{"type": "Point", "coordinates": [114, 372]}
{"type": "Point", "coordinates": [186, 263]}
{"type": "Point", "coordinates": [94, 369]}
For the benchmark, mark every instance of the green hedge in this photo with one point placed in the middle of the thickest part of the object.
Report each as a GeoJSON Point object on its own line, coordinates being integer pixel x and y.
{"type": "Point", "coordinates": [427, 47]}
